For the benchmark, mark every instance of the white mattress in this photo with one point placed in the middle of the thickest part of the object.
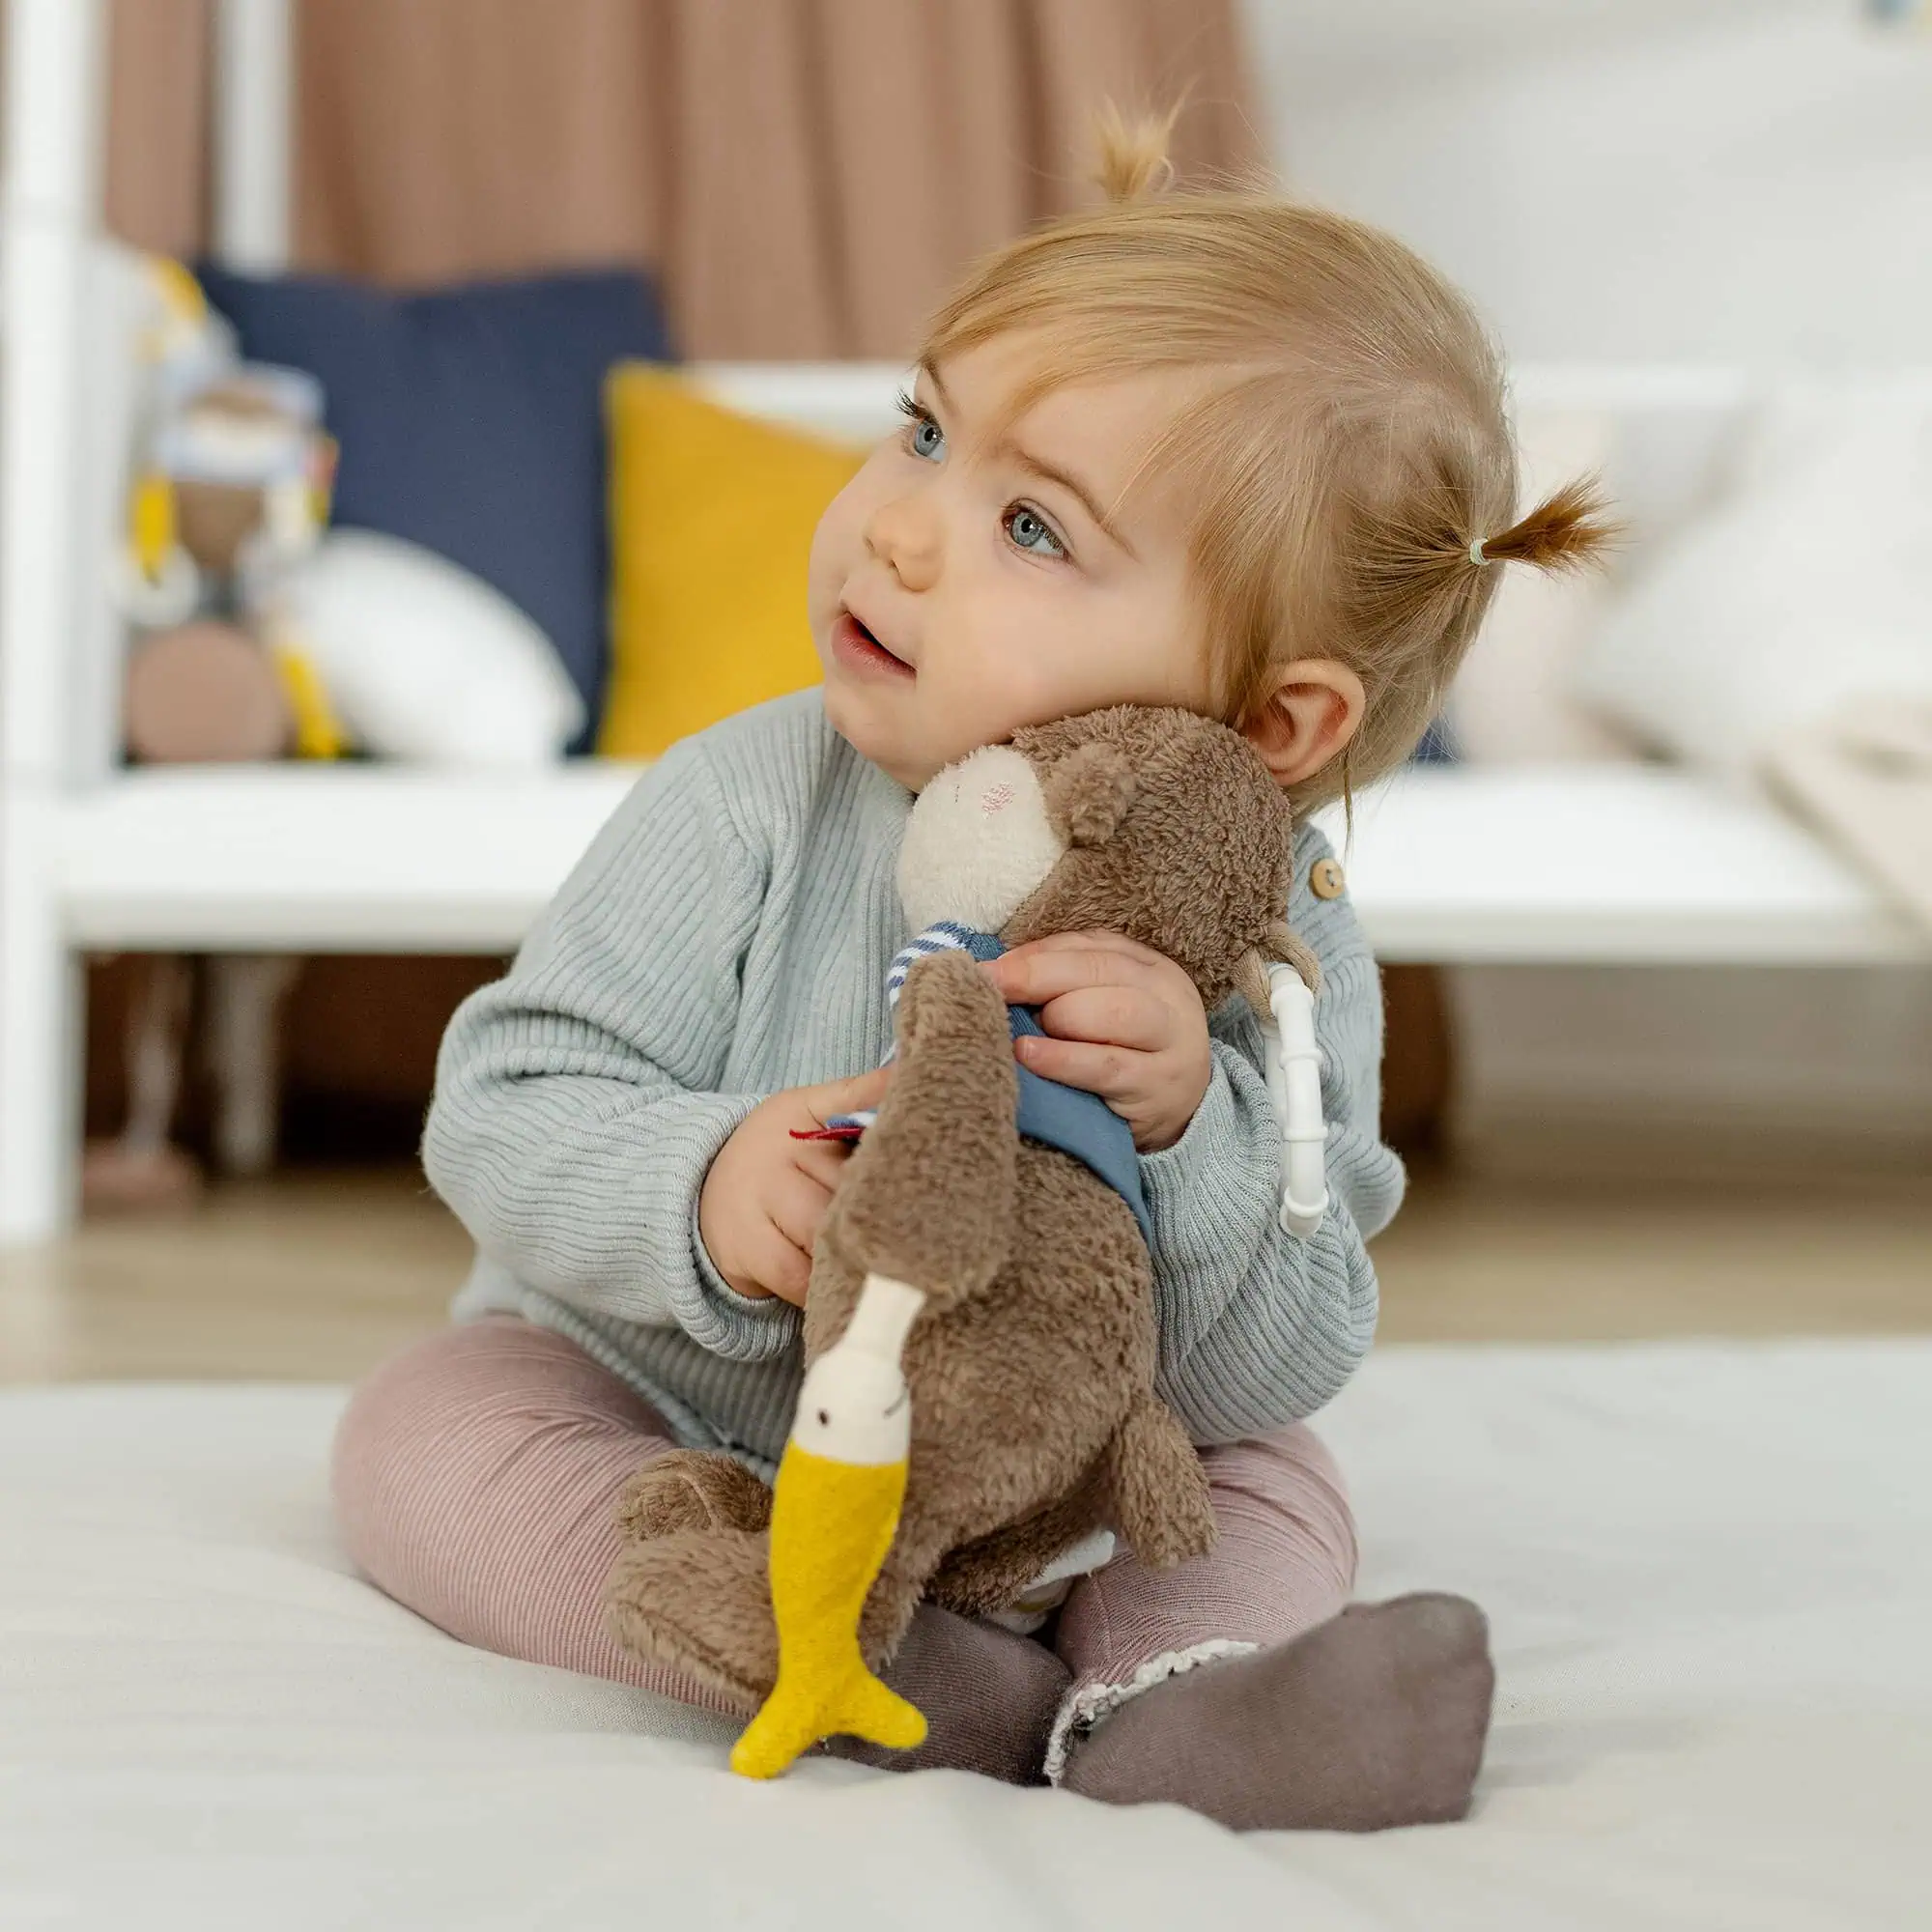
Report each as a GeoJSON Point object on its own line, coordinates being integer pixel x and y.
{"type": "Point", "coordinates": [1708, 1571]}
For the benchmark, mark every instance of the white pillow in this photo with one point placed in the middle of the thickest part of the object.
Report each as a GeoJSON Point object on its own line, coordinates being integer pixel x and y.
{"type": "Point", "coordinates": [422, 659]}
{"type": "Point", "coordinates": [1810, 587]}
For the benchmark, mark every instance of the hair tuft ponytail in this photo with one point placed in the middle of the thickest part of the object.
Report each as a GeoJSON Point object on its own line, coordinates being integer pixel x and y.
{"type": "Point", "coordinates": [1570, 529]}
{"type": "Point", "coordinates": [1134, 164]}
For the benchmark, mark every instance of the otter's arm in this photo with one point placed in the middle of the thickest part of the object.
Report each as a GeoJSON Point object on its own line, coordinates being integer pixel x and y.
{"type": "Point", "coordinates": [928, 1197]}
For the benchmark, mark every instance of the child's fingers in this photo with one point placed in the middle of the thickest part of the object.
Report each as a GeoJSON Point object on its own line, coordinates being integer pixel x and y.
{"type": "Point", "coordinates": [1111, 1071]}
{"type": "Point", "coordinates": [867, 1090]}
{"type": "Point", "coordinates": [1101, 937]}
{"type": "Point", "coordinates": [1031, 974]}
{"type": "Point", "coordinates": [778, 1266]}
{"type": "Point", "coordinates": [797, 1204]}
{"type": "Point", "coordinates": [823, 1160]}
{"type": "Point", "coordinates": [845, 1097]}
{"type": "Point", "coordinates": [1110, 1016]}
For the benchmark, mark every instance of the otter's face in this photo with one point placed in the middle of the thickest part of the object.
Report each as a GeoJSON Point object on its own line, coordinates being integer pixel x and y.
{"type": "Point", "coordinates": [980, 843]}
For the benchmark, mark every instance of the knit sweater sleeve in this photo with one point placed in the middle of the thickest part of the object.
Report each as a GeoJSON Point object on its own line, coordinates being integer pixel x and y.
{"type": "Point", "coordinates": [1258, 1328]}
{"type": "Point", "coordinates": [576, 1103]}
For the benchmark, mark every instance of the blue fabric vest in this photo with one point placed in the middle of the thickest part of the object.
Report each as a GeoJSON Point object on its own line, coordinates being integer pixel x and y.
{"type": "Point", "coordinates": [1050, 1112]}
{"type": "Point", "coordinates": [1069, 1118]}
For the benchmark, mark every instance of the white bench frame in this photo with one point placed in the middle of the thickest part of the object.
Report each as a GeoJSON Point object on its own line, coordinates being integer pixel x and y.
{"type": "Point", "coordinates": [1620, 864]}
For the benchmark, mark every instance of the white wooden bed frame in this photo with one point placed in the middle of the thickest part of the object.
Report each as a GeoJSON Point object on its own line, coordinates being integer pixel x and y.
{"type": "Point", "coordinates": [1606, 864]}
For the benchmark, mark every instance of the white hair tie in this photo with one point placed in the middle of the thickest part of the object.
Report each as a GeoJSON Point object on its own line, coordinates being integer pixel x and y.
{"type": "Point", "coordinates": [1476, 555]}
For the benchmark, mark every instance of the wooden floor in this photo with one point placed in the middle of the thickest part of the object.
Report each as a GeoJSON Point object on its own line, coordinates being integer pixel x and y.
{"type": "Point", "coordinates": [317, 1276]}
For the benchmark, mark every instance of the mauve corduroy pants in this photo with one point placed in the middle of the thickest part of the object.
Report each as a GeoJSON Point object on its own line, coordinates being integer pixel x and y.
{"type": "Point", "coordinates": [476, 1477]}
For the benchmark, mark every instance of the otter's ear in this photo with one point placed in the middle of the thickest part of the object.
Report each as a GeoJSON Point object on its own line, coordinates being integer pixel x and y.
{"type": "Point", "coordinates": [1283, 946]}
{"type": "Point", "coordinates": [1287, 947]}
{"type": "Point", "coordinates": [1088, 793]}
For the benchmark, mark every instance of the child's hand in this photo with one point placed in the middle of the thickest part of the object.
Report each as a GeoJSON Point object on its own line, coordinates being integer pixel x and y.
{"type": "Point", "coordinates": [1126, 1023]}
{"type": "Point", "coordinates": [765, 1194]}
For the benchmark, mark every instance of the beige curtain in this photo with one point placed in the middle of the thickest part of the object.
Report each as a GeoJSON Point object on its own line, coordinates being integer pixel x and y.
{"type": "Point", "coordinates": [805, 176]}
{"type": "Point", "coordinates": [156, 167]}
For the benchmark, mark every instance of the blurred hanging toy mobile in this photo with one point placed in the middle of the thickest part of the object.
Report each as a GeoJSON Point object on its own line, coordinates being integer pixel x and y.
{"type": "Point", "coordinates": [232, 476]}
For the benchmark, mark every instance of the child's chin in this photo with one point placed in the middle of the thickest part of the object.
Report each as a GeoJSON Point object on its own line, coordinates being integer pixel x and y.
{"type": "Point", "coordinates": [861, 721]}
{"type": "Point", "coordinates": [856, 715]}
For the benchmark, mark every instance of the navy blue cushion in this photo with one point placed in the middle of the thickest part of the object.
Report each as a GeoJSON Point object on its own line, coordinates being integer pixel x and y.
{"type": "Point", "coordinates": [471, 421]}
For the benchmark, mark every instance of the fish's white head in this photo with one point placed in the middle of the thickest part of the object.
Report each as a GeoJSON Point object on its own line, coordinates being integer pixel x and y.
{"type": "Point", "coordinates": [855, 1407]}
{"type": "Point", "coordinates": [856, 1411]}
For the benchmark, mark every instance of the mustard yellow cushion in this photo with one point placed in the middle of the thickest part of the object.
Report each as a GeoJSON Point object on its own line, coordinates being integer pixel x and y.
{"type": "Point", "coordinates": [711, 521]}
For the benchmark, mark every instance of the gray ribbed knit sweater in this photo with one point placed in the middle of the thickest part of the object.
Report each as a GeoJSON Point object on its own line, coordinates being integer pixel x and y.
{"type": "Point", "coordinates": [727, 936]}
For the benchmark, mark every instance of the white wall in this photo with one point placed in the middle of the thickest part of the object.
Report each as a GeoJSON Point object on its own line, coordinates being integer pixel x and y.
{"type": "Point", "coordinates": [1619, 179]}
{"type": "Point", "coordinates": [1679, 180]}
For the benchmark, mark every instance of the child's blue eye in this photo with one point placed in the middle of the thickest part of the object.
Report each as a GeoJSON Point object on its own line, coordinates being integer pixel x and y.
{"type": "Point", "coordinates": [1029, 530]}
{"type": "Point", "coordinates": [923, 437]}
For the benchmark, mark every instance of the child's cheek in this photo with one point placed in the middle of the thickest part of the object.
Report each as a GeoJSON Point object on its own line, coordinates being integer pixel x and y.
{"type": "Point", "coordinates": [1027, 678]}
{"type": "Point", "coordinates": [839, 545]}
{"type": "Point", "coordinates": [826, 571]}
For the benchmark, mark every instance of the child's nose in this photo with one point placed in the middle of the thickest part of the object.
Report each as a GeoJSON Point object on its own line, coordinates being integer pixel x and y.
{"type": "Point", "coordinates": [903, 533]}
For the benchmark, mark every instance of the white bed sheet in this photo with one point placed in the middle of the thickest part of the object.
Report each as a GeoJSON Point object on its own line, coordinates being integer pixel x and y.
{"type": "Point", "coordinates": [1709, 1570]}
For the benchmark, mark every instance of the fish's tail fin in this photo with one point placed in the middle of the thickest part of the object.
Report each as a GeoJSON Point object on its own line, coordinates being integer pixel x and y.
{"type": "Point", "coordinates": [878, 1714]}
{"type": "Point", "coordinates": [793, 1719]}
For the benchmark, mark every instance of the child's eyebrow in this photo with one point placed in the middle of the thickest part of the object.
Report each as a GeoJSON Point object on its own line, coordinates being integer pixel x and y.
{"type": "Point", "coordinates": [1051, 473]}
{"type": "Point", "coordinates": [1048, 472]}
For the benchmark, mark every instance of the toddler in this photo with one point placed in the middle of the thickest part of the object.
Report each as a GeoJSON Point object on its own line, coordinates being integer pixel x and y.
{"type": "Point", "coordinates": [1211, 450]}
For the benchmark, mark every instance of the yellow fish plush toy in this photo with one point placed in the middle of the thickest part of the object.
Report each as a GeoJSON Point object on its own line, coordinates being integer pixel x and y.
{"type": "Point", "coordinates": [834, 1511]}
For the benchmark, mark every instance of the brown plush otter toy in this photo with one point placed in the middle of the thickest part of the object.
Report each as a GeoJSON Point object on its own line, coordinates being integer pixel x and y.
{"type": "Point", "coordinates": [1012, 1203]}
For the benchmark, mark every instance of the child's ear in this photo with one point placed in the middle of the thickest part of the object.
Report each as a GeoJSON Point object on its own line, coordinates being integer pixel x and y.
{"type": "Point", "coordinates": [1307, 720]}
{"type": "Point", "coordinates": [1088, 793]}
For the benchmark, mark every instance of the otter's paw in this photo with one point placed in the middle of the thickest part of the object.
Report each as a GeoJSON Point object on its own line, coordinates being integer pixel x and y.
{"type": "Point", "coordinates": [691, 1489]}
{"type": "Point", "coordinates": [700, 1601]}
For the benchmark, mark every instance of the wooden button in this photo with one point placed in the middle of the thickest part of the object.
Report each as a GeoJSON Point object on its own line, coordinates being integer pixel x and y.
{"type": "Point", "coordinates": [1325, 880]}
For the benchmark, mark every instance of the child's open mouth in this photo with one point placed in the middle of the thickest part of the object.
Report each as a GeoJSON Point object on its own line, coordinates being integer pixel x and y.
{"type": "Point", "coordinates": [861, 651]}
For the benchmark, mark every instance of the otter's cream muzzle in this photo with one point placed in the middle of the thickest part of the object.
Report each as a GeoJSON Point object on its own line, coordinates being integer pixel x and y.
{"type": "Point", "coordinates": [979, 842]}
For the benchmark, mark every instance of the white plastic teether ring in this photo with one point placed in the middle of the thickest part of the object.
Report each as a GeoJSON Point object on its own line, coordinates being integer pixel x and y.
{"type": "Point", "coordinates": [1294, 1085]}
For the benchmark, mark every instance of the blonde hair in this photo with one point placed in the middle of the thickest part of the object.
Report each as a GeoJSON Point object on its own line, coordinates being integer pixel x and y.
{"type": "Point", "coordinates": [1356, 468]}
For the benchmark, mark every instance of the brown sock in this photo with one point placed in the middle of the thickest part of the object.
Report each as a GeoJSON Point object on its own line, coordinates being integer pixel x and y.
{"type": "Point", "coordinates": [1373, 1719]}
{"type": "Point", "coordinates": [990, 1700]}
